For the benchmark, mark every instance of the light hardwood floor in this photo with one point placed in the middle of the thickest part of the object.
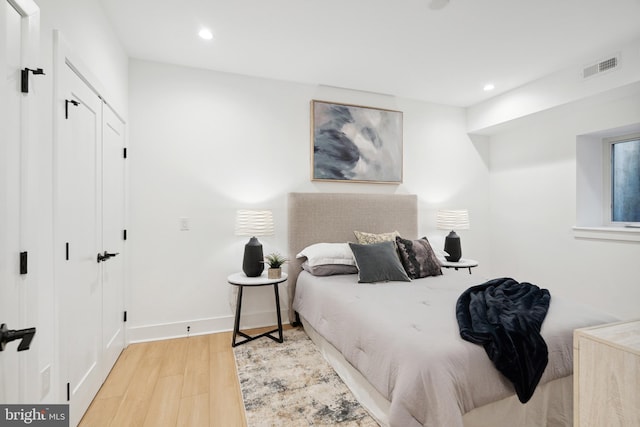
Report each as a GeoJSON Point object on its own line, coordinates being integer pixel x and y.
{"type": "Point", "coordinates": [178, 382]}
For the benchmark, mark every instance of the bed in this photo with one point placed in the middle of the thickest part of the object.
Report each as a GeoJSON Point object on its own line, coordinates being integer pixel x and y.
{"type": "Point", "coordinates": [396, 344]}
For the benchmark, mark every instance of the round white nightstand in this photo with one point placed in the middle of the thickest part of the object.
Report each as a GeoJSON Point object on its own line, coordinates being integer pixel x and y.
{"type": "Point", "coordinates": [462, 263]}
{"type": "Point", "coordinates": [241, 280]}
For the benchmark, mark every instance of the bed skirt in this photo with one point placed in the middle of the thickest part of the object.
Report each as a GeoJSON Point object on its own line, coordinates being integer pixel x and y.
{"type": "Point", "coordinates": [550, 406]}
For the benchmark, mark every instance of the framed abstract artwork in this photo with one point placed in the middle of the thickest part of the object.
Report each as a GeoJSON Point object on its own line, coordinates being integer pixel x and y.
{"type": "Point", "coordinates": [352, 143]}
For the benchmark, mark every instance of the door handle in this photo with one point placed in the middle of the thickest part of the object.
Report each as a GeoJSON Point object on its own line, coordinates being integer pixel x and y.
{"type": "Point", "coordinates": [8, 335]}
{"type": "Point", "coordinates": [106, 255]}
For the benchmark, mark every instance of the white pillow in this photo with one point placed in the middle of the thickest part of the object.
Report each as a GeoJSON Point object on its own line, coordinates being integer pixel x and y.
{"type": "Point", "coordinates": [328, 253]}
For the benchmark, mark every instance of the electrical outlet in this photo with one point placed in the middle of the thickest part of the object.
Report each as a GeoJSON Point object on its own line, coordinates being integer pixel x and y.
{"type": "Point", "coordinates": [184, 224]}
{"type": "Point", "coordinates": [45, 380]}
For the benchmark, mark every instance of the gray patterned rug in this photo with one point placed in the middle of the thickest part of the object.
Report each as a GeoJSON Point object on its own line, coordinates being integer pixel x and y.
{"type": "Point", "coordinates": [290, 384]}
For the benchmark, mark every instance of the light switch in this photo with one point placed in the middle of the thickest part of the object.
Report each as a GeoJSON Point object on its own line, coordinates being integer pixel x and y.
{"type": "Point", "coordinates": [184, 224]}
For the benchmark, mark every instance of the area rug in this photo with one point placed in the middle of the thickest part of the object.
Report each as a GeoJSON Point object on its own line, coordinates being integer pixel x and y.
{"type": "Point", "coordinates": [290, 384]}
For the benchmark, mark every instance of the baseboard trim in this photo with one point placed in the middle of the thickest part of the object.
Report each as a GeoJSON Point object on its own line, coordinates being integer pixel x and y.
{"type": "Point", "coordinates": [163, 331]}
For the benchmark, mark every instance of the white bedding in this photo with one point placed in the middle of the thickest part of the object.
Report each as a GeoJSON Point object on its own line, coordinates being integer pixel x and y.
{"type": "Point", "coordinates": [404, 339]}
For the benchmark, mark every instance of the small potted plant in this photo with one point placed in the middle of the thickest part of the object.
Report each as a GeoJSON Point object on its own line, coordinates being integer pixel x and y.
{"type": "Point", "coordinates": [275, 261]}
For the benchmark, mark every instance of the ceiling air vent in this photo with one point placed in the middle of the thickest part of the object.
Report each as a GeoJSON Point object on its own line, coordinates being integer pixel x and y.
{"type": "Point", "coordinates": [601, 67]}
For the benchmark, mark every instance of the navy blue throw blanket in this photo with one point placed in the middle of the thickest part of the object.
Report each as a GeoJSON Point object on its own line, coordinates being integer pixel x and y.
{"type": "Point", "coordinates": [505, 317]}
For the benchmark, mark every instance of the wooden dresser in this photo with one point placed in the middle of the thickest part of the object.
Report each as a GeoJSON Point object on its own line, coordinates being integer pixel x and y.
{"type": "Point", "coordinates": [606, 382]}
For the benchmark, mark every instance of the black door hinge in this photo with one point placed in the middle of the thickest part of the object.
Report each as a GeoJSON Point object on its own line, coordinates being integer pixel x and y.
{"type": "Point", "coordinates": [66, 106]}
{"type": "Point", "coordinates": [124, 152]}
{"type": "Point", "coordinates": [23, 262]}
{"type": "Point", "coordinates": [124, 234]}
{"type": "Point", "coordinates": [68, 392]}
{"type": "Point", "coordinates": [66, 251]}
{"type": "Point", "coordinates": [25, 78]}
{"type": "Point", "coordinates": [124, 318]}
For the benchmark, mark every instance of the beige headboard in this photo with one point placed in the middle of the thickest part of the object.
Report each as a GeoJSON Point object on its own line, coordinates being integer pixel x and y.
{"type": "Point", "coordinates": [332, 218]}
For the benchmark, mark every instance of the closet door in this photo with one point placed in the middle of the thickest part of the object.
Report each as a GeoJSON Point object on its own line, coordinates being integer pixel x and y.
{"type": "Point", "coordinates": [19, 24]}
{"type": "Point", "coordinates": [113, 217]}
{"type": "Point", "coordinates": [10, 290]}
{"type": "Point", "coordinates": [78, 282]}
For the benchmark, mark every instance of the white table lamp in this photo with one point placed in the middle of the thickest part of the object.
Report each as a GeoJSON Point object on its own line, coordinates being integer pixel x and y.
{"type": "Point", "coordinates": [253, 223]}
{"type": "Point", "coordinates": [453, 219]}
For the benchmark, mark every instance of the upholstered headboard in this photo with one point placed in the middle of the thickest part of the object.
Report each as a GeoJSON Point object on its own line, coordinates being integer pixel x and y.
{"type": "Point", "coordinates": [332, 218]}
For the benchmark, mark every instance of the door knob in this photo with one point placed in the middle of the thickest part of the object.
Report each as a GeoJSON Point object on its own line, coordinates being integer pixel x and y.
{"type": "Point", "coordinates": [106, 255]}
{"type": "Point", "coordinates": [8, 335]}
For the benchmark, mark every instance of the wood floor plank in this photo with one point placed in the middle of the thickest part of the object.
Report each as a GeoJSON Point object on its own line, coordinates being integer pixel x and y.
{"type": "Point", "coordinates": [196, 370]}
{"type": "Point", "coordinates": [220, 342]}
{"type": "Point", "coordinates": [153, 349]}
{"type": "Point", "coordinates": [135, 403]}
{"type": "Point", "coordinates": [177, 382]}
{"type": "Point", "coordinates": [227, 408]}
{"type": "Point", "coordinates": [144, 380]}
{"type": "Point", "coordinates": [101, 412]}
{"type": "Point", "coordinates": [118, 380]}
{"type": "Point", "coordinates": [173, 362]}
{"type": "Point", "coordinates": [194, 411]}
{"type": "Point", "coordinates": [131, 413]}
{"type": "Point", "coordinates": [165, 402]}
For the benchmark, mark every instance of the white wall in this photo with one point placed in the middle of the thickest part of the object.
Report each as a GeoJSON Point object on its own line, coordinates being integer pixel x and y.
{"type": "Point", "coordinates": [559, 88]}
{"type": "Point", "coordinates": [88, 32]}
{"type": "Point", "coordinates": [204, 144]}
{"type": "Point", "coordinates": [533, 207]}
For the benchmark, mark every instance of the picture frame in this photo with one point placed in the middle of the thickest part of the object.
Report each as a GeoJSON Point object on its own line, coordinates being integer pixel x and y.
{"type": "Point", "coordinates": [354, 143]}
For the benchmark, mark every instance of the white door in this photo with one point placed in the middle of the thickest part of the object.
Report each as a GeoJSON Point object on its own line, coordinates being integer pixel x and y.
{"type": "Point", "coordinates": [17, 27]}
{"type": "Point", "coordinates": [89, 230]}
{"type": "Point", "coordinates": [113, 225]}
{"type": "Point", "coordinates": [78, 279]}
{"type": "Point", "coordinates": [10, 299]}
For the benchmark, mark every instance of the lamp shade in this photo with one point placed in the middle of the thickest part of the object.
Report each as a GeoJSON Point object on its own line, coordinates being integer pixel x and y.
{"type": "Point", "coordinates": [254, 222]}
{"type": "Point", "coordinates": [453, 219]}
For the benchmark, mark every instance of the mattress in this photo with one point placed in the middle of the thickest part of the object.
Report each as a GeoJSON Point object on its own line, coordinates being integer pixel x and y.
{"type": "Point", "coordinates": [402, 337]}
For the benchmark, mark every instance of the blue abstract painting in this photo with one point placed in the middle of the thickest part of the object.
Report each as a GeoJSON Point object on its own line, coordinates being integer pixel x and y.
{"type": "Point", "coordinates": [356, 144]}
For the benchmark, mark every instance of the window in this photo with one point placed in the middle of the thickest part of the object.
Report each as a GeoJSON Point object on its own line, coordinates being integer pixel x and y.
{"type": "Point", "coordinates": [624, 170]}
{"type": "Point", "coordinates": [608, 184]}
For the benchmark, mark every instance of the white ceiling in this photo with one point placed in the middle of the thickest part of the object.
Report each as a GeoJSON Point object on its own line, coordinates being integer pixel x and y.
{"type": "Point", "coordinates": [396, 47]}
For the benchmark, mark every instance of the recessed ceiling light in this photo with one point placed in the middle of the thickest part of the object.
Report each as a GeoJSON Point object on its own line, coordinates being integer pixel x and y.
{"type": "Point", "coordinates": [488, 87]}
{"type": "Point", "coordinates": [206, 34]}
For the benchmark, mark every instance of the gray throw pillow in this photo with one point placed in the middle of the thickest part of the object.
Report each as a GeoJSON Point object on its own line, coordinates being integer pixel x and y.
{"type": "Point", "coordinates": [378, 262]}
